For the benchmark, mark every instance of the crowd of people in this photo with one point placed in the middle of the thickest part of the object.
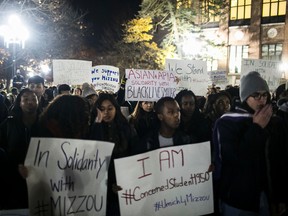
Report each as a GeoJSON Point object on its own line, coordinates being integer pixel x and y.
{"type": "Point", "coordinates": [246, 126]}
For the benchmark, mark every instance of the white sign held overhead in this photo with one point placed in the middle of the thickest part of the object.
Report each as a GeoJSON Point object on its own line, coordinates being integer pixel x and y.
{"type": "Point", "coordinates": [191, 73]}
{"type": "Point", "coordinates": [67, 176]}
{"type": "Point", "coordinates": [167, 181]}
{"type": "Point", "coordinates": [71, 72]}
{"type": "Point", "coordinates": [218, 78]}
{"type": "Point", "coordinates": [105, 77]}
{"type": "Point", "coordinates": [269, 70]}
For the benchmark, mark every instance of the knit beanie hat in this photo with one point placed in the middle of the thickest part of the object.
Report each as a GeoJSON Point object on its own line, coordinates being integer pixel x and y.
{"type": "Point", "coordinates": [251, 83]}
{"type": "Point", "coordinates": [87, 90]}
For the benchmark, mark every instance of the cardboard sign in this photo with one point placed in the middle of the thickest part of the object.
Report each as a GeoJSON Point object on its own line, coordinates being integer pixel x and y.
{"type": "Point", "coordinates": [105, 77]}
{"type": "Point", "coordinates": [71, 72]}
{"type": "Point", "coordinates": [67, 176]}
{"type": "Point", "coordinates": [168, 181]}
{"type": "Point", "coordinates": [269, 70]}
{"type": "Point", "coordinates": [192, 74]}
{"type": "Point", "coordinates": [149, 85]}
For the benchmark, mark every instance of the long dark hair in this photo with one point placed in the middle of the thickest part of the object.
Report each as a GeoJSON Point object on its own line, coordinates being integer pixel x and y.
{"type": "Point", "coordinates": [119, 117]}
{"type": "Point", "coordinates": [71, 114]}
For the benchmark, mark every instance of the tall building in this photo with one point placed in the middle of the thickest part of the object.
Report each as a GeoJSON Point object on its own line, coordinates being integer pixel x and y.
{"type": "Point", "coordinates": [256, 29]}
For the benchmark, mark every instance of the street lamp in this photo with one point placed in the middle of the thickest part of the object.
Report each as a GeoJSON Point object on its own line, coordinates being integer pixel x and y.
{"type": "Point", "coordinates": [15, 33]}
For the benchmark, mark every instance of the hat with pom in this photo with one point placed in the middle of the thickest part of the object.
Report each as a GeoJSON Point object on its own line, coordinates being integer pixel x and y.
{"type": "Point", "coordinates": [251, 83]}
{"type": "Point", "coordinates": [88, 90]}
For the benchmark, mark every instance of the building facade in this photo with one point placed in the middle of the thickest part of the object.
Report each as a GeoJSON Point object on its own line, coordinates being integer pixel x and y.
{"type": "Point", "coordinates": [256, 29]}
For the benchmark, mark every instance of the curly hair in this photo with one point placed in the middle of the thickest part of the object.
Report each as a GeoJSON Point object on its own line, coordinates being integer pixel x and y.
{"type": "Point", "coordinates": [70, 113]}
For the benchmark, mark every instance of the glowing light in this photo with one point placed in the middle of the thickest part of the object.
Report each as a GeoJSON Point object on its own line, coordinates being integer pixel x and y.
{"type": "Point", "coordinates": [30, 74]}
{"type": "Point", "coordinates": [45, 68]}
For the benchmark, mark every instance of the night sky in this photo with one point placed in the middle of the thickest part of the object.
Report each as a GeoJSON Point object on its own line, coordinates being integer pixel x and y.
{"type": "Point", "coordinates": [105, 18]}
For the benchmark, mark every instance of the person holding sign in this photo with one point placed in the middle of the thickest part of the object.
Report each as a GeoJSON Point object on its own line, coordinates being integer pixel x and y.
{"type": "Point", "coordinates": [112, 126]}
{"type": "Point", "coordinates": [15, 134]}
{"type": "Point", "coordinates": [251, 161]}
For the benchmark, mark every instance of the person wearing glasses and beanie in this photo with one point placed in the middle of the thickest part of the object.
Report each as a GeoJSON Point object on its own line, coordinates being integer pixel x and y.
{"type": "Point", "coordinates": [250, 157]}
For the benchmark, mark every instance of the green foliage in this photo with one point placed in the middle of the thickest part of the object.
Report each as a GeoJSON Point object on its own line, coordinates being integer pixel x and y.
{"type": "Point", "coordinates": [176, 22]}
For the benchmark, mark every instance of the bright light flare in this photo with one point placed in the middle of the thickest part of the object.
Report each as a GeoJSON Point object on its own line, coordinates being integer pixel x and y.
{"type": "Point", "coordinates": [45, 68]}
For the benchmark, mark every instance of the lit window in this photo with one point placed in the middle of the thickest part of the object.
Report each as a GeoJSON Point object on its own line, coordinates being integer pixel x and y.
{"type": "Point", "coordinates": [240, 9]}
{"type": "Point", "coordinates": [210, 10]}
{"type": "Point", "coordinates": [272, 51]}
{"type": "Point", "coordinates": [273, 8]}
{"type": "Point", "coordinates": [237, 53]}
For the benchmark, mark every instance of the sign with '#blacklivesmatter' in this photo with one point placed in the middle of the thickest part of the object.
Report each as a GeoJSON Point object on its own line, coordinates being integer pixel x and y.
{"type": "Point", "coordinates": [149, 85]}
{"type": "Point", "coordinates": [168, 181]}
{"type": "Point", "coordinates": [67, 176]}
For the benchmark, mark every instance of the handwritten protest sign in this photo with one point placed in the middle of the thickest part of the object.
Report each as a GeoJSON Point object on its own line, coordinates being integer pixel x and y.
{"type": "Point", "coordinates": [105, 77]}
{"type": "Point", "coordinates": [269, 70]}
{"type": "Point", "coordinates": [192, 74]}
{"type": "Point", "coordinates": [219, 78]}
{"type": "Point", "coordinates": [71, 72]}
{"type": "Point", "coordinates": [168, 181]}
{"type": "Point", "coordinates": [149, 85]}
{"type": "Point", "coordinates": [67, 176]}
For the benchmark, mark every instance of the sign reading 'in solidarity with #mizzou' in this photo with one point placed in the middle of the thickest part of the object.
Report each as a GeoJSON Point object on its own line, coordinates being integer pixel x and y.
{"type": "Point", "coordinates": [67, 176]}
{"type": "Point", "coordinates": [168, 181]}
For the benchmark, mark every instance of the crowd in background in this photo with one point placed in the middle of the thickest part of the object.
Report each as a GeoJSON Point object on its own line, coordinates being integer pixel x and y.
{"type": "Point", "coordinates": [247, 128]}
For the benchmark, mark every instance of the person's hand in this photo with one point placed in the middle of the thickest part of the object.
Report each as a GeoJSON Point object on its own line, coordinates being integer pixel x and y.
{"type": "Point", "coordinates": [99, 117]}
{"type": "Point", "coordinates": [116, 188]}
{"type": "Point", "coordinates": [262, 116]}
{"type": "Point", "coordinates": [23, 170]}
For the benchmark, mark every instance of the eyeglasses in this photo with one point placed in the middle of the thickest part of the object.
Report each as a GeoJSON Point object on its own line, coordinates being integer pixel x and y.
{"type": "Point", "coordinates": [257, 95]}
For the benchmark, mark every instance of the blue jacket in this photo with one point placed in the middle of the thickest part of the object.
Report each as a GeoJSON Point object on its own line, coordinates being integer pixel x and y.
{"type": "Point", "coordinates": [249, 160]}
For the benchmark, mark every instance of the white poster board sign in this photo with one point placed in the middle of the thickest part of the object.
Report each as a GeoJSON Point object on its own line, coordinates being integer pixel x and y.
{"type": "Point", "coordinates": [192, 74]}
{"type": "Point", "coordinates": [219, 78]}
{"type": "Point", "coordinates": [269, 70]}
{"type": "Point", "coordinates": [149, 85]}
{"type": "Point", "coordinates": [168, 181]}
{"type": "Point", "coordinates": [71, 72]}
{"type": "Point", "coordinates": [105, 77]}
{"type": "Point", "coordinates": [67, 176]}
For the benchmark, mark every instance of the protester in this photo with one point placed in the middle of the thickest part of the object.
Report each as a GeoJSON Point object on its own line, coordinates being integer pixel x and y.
{"type": "Point", "coordinates": [168, 132]}
{"type": "Point", "coordinates": [18, 80]}
{"type": "Point", "coordinates": [67, 116]}
{"type": "Point", "coordinates": [12, 97]}
{"type": "Point", "coordinates": [216, 105]}
{"type": "Point", "coordinates": [143, 118]}
{"type": "Point", "coordinates": [64, 89]}
{"type": "Point", "coordinates": [3, 108]}
{"type": "Point", "coordinates": [250, 158]}
{"type": "Point", "coordinates": [77, 91]}
{"type": "Point", "coordinates": [36, 84]}
{"type": "Point", "coordinates": [15, 134]}
{"type": "Point", "coordinates": [192, 120]}
{"type": "Point", "coordinates": [112, 126]}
